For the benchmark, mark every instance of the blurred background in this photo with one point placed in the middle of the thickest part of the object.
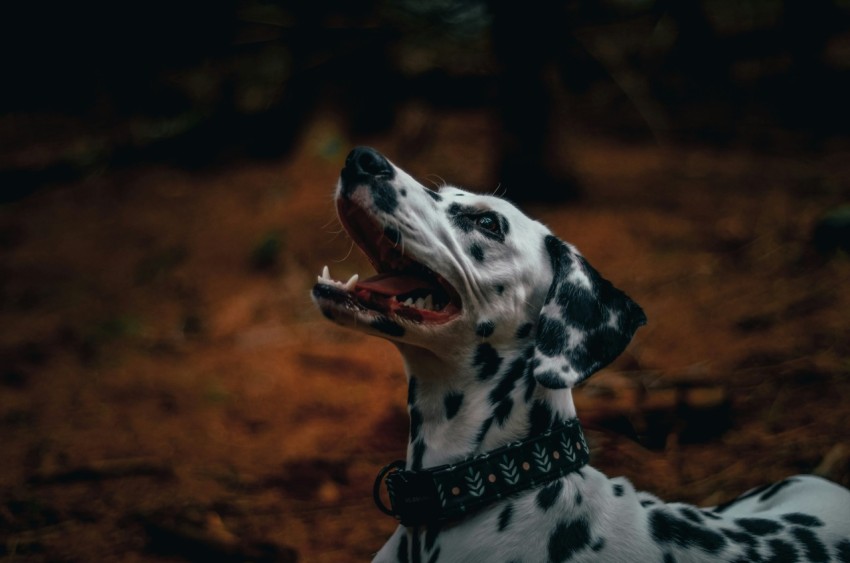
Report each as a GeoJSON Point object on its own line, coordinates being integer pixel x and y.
{"type": "Point", "coordinates": [167, 390]}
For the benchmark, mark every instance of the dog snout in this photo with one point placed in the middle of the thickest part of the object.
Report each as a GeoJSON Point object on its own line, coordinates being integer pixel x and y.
{"type": "Point", "coordinates": [365, 162]}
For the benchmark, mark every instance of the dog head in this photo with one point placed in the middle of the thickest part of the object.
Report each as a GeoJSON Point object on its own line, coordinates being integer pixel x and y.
{"type": "Point", "coordinates": [455, 268]}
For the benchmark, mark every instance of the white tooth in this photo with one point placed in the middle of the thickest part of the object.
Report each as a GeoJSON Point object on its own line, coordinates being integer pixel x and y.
{"type": "Point", "coordinates": [349, 285]}
{"type": "Point", "coordinates": [420, 303]}
{"type": "Point", "coordinates": [409, 302]}
{"type": "Point", "coordinates": [326, 273]}
{"type": "Point", "coordinates": [429, 302]}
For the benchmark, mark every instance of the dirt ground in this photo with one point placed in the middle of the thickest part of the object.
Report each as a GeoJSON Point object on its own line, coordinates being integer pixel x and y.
{"type": "Point", "coordinates": [168, 391]}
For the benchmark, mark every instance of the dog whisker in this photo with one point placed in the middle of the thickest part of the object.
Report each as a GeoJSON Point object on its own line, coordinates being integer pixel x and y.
{"type": "Point", "coordinates": [331, 221]}
{"type": "Point", "coordinates": [350, 250]}
{"type": "Point", "coordinates": [438, 183]}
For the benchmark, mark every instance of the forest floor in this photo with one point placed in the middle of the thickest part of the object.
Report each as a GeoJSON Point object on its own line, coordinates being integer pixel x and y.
{"type": "Point", "coordinates": [168, 390]}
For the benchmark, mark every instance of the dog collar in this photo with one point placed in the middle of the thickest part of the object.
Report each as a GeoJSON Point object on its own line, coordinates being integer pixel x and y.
{"type": "Point", "coordinates": [452, 491]}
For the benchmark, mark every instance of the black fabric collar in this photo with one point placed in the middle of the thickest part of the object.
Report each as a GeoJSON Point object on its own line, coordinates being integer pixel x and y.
{"type": "Point", "coordinates": [449, 492]}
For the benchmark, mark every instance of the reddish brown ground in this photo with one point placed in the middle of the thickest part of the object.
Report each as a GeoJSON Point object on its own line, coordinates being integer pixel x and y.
{"type": "Point", "coordinates": [206, 395]}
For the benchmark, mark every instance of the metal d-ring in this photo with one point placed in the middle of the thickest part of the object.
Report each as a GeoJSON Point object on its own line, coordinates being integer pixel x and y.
{"type": "Point", "coordinates": [376, 490]}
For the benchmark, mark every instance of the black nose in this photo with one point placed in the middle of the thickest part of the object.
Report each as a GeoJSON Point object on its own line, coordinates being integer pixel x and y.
{"type": "Point", "coordinates": [364, 162]}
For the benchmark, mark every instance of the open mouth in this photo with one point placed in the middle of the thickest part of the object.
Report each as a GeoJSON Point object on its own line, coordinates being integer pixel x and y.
{"type": "Point", "coordinates": [403, 287]}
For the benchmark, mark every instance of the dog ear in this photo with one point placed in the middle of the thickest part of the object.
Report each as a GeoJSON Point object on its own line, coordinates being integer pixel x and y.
{"type": "Point", "coordinates": [585, 322]}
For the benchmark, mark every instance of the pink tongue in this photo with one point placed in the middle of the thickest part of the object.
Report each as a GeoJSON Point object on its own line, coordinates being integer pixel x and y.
{"type": "Point", "coordinates": [394, 284]}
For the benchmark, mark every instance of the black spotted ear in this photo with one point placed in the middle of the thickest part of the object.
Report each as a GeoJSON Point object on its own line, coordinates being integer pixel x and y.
{"type": "Point", "coordinates": [585, 323]}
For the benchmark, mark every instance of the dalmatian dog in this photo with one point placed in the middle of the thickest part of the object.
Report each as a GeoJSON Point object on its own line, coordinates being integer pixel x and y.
{"type": "Point", "coordinates": [496, 320]}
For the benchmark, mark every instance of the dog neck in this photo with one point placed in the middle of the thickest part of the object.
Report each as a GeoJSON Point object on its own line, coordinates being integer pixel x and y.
{"type": "Point", "coordinates": [476, 399]}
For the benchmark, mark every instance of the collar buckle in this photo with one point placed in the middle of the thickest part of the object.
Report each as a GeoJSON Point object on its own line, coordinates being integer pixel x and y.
{"type": "Point", "coordinates": [413, 495]}
{"type": "Point", "coordinates": [393, 467]}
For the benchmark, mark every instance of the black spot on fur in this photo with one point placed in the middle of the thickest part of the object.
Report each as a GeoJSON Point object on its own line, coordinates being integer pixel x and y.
{"type": "Point", "coordinates": [759, 526]}
{"type": "Point", "coordinates": [667, 528]}
{"type": "Point", "coordinates": [815, 550]}
{"type": "Point", "coordinates": [487, 360]}
{"type": "Point", "coordinates": [434, 195]}
{"type": "Point", "coordinates": [415, 423]}
{"type": "Point", "coordinates": [485, 427]}
{"type": "Point", "coordinates": [751, 555]}
{"type": "Point", "coordinates": [508, 381]}
{"type": "Point", "coordinates": [524, 330]}
{"type": "Point", "coordinates": [418, 454]}
{"type": "Point", "coordinates": [646, 502]}
{"type": "Point", "coordinates": [540, 418]}
{"type": "Point", "coordinates": [803, 519]}
{"type": "Point", "coordinates": [402, 550]}
{"type": "Point", "coordinates": [567, 539]}
{"type": "Point", "coordinates": [403, 192]}
{"type": "Point", "coordinates": [477, 252]}
{"type": "Point", "coordinates": [691, 514]}
{"type": "Point", "coordinates": [416, 546]}
{"type": "Point", "coordinates": [750, 543]}
{"type": "Point", "coordinates": [500, 289]}
{"type": "Point", "coordinates": [452, 402]}
{"type": "Point", "coordinates": [485, 329]}
{"type": "Point", "coordinates": [618, 490]}
{"type": "Point", "coordinates": [411, 390]}
{"type": "Point", "coordinates": [530, 381]}
{"type": "Point", "coordinates": [385, 325]}
{"type": "Point", "coordinates": [775, 488]}
{"type": "Point", "coordinates": [782, 552]}
{"type": "Point", "coordinates": [749, 494]}
{"type": "Point", "coordinates": [505, 516]}
{"type": "Point", "coordinates": [578, 500]}
{"type": "Point", "coordinates": [506, 227]}
{"type": "Point", "coordinates": [743, 538]}
{"type": "Point", "coordinates": [549, 494]}
{"type": "Point", "coordinates": [384, 195]}
{"type": "Point", "coordinates": [431, 533]}
{"type": "Point", "coordinates": [710, 514]}
{"type": "Point", "coordinates": [668, 558]}
{"type": "Point", "coordinates": [580, 306]}
{"type": "Point", "coordinates": [392, 235]}
{"type": "Point", "coordinates": [600, 345]}
{"type": "Point", "coordinates": [842, 551]}
{"type": "Point", "coordinates": [460, 216]}
{"type": "Point", "coordinates": [551, 379]}
{"type": "Point", "coordinates": [556, 251]}
{"type": "Point", "coordinates": [503, 410]}
{"type": "Point", "coordinates": [550, 336]}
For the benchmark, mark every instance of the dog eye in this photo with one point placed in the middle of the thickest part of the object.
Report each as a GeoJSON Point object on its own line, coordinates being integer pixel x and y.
{"type": "Point", "coordinates": [488, 222]}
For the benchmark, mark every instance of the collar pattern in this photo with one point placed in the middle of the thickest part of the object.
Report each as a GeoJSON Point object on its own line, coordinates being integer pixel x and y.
{"type": "Point", "coordinates": [449, 492]}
